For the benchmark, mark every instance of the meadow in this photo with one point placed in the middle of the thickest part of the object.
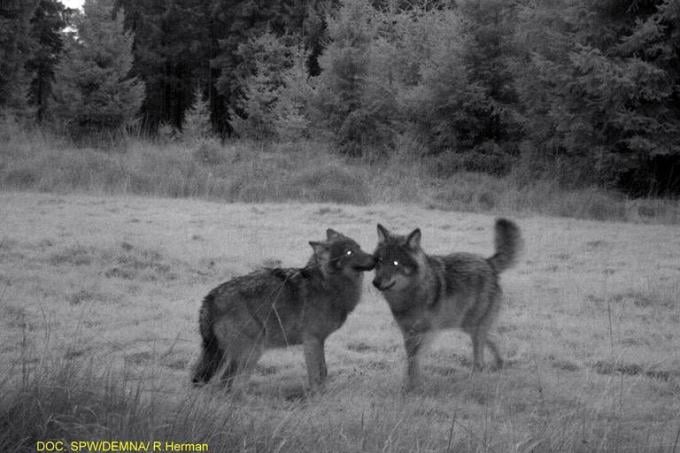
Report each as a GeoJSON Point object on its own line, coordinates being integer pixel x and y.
{"type": "Point", "coordinates": [100, 292]}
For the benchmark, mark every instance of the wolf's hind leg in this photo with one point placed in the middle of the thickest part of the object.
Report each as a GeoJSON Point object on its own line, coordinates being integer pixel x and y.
{"type": "Point", "coordinates": [208, 363]}
{"type": "Point", "coordinates": [228, 373]}
{"type": "Point", "coordinates": [243, 362]}
{"type": "Point", "coordinates": [493, 347]}
{"type": "Point", "coordinates": [479, 341]}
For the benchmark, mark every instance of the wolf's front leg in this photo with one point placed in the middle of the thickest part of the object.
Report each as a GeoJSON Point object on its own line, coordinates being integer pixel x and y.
{"type": "Point", "coordinates": [413, 341]}
{"type": "Point", "coordinates": [315, 360]}
{"type": "Point", "coordinates": [324, 368]}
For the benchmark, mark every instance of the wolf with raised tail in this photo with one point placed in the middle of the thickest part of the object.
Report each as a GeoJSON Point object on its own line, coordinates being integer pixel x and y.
{"type": "Point", "coordinates": [427, 293]}
{"type": "Point", "coordinates": [278, 307]}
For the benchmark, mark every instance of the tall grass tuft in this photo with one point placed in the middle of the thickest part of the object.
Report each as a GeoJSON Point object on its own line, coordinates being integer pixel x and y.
{"type": "Point", "coordinates": [301, 171]}
{"type": "Point", "coordinates": [68, 400]}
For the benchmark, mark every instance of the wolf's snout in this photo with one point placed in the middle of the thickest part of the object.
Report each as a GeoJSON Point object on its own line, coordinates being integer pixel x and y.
{"type": "Point", "coordinates": [368, 264]}
{"type": "Point", "coordinates": [381, 286]}
{"type": "Point", "coordinates": [365, 262]}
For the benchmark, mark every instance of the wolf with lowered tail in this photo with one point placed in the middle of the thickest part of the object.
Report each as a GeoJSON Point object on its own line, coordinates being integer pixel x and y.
{"type": "Point", "coordinates": [278, 307]}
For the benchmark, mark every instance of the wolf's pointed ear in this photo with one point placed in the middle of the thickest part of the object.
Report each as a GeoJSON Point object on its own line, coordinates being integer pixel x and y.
{"type": "Point", "coordinates": [319, 247]}
{"type": "Point", "coordinates": [383, 234]}
{"type": "Point", "coordinates": [332, 235]}
{"type": "Point", "coordinates": [413, 239]}
{"type": "Point", "coordinates": [322, 253]}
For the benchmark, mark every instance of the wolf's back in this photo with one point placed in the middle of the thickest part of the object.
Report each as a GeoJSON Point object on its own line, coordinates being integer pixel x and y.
{"type": "Point", "coordinates": [508, 242]}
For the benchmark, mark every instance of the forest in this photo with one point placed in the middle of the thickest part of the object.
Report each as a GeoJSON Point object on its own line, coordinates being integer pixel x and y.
{"type": "Point", "coordinates": [583, 93]}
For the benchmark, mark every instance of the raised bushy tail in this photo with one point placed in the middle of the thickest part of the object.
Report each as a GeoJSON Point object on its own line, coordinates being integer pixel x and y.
{"type": "Point", "coordinates": [508, 245]}
{"type": "Point", "coordinates": [211, 355]}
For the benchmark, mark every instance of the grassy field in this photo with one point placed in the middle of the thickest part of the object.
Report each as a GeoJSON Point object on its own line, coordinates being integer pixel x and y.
{"type": "Point", "coordinates": [99, 298]}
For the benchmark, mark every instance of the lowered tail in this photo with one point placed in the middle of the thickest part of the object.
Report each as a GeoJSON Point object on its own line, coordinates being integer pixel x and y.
{"type": "Point", "coordinates": [211, 355]}
{"type": "Point", "coordinates": [508, 245]}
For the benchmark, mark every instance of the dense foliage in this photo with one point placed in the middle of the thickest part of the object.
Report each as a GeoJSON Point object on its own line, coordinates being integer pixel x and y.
{"type": "Point", "coordinates": [584, 92]}
{"type": "Point", "coordinates": [14, 51]}
{"type": "Point", "coordinates": [94, 93]}
{"type": "Point", "coordinates": [49, 19]}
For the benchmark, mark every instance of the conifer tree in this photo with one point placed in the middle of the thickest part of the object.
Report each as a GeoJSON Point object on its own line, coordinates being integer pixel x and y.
{"type": "Point", "coordinates": [47, 23]}
{"type": "Point", "coordinates": [340, 102]}
{"type": "Point", "coordinates": [610, 99]}
{"type": "Point", "coordinates": [197, 125]}
{"type": "Point", "coordinates": [94, 93]}
{"type": "Point", "coordinates": [270, 59]}
{"type": "Point", "coordinates": [172, 46]}
{"type": "Point", "coordinates": [489, 50]}
{"type": "Point", "coordinates": [15, 48]}
{"type": "Point", "coordinates": [238, 21]}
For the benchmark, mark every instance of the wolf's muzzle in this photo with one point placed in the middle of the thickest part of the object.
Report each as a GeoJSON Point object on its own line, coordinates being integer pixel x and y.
{"type": "Point", "coordinates": [382, 287]}
{"type": "Point", "coordinates": [366, 264]}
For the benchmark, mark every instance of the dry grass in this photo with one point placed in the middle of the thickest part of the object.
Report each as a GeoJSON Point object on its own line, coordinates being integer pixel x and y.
{"type": "Point", "coordinates": [304, 171]}
{"type": "Point", "coordinates": [99, 298]}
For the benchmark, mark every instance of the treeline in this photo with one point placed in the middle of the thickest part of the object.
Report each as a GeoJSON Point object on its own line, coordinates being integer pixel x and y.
{"type": "Point", "coordinates": [580, 91]}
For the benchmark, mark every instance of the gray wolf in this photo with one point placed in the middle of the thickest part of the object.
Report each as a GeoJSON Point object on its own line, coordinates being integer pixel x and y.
{"type": "Point", "coordinates": [428, 293]}
{"type": "Point", "coordinates": [277, 307]}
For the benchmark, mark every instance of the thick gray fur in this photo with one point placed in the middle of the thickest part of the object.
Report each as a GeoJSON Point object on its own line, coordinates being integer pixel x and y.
{"type": "Point", "coordinates": [428, 293]}
{"type": "Point", "coordinates": [278, 307]}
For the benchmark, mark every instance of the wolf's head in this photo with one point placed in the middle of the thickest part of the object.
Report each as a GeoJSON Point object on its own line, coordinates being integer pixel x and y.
{"type": "Point", "coordinates": [340, 254]}
{"type": "Point", "coordinates": [397, 259]}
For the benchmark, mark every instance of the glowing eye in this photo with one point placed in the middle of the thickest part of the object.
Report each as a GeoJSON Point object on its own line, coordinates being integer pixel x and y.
{"type": "Point", "coordinates": [395, 262]}
{"type": "Point", "coordinates": [348, 252]}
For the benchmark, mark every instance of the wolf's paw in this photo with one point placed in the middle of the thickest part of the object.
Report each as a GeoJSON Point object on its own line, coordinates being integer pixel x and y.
{"type": "Point", "coordinates": [409, 386]}
{"type": "Point", "coordinates": [198, 383]}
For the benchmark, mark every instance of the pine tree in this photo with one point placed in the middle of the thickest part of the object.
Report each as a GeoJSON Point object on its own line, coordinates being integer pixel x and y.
{"type": "Point", "coordinates": [609, 100]}
{"type": "Point", "coordinates": [341, 104]}
{"type": "Point", "coordinates": [48, 21]}
{"type": "Point", "coordinates": [270, 58]}
{"type": "Point", "coordinates": [197, 125]}
{"type": "Point", "coordinates": [15, 47]}
{"type": "Point", "coordinates": [488, 54]}
{"type": "Point", "coordinates": [291, 110]}
{"type": "Point", "coordinates": [466, 110]}
{"type": "Point", "coordinates": [172, 51]}
{"type": "Point", "coordinates": [238, 21]}
{"type": "Point", "coordinates": [449, 107]}
{"type": "Point", "coordinates": [94, 93]}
